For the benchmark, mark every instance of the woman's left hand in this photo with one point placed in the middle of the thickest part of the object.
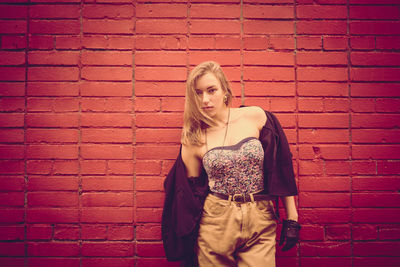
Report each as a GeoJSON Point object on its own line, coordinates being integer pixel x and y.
{"type": "Point", "coordinates": [289, 234]}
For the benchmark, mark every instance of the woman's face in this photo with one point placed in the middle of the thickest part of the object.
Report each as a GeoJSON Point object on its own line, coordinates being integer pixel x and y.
{"type": "Point", "coordinates": [208, 89]}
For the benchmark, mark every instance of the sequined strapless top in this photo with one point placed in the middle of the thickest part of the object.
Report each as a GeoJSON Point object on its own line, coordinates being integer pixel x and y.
{"type": "Point", "coordinates": [236, 169]}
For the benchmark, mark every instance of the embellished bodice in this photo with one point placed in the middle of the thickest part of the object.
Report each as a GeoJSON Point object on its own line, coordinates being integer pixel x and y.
{"type": "Point", "coordinates": [236, 169]}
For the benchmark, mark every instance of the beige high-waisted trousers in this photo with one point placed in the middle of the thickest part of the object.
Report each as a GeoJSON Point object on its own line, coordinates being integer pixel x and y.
{"type": "Point", "coordinates": [237, 234]}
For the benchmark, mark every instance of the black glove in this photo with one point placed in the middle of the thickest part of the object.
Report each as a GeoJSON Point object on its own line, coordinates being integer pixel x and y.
{"type": "Point", "coordinates": [290, 233]}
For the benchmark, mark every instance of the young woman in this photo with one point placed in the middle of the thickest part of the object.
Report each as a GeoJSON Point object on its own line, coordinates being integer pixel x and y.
{"type": "Point", "coordinates": [233, 162]}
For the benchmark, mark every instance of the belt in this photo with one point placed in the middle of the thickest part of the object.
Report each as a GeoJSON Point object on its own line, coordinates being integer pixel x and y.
{"type": "Point", "coordinates": [241, 198]}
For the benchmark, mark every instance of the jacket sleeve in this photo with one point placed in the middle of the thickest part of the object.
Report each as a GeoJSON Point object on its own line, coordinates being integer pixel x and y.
{"type": "Point", "coordinates": [181, 213]}
{"type": "Point", "coordinates": [278, 165]}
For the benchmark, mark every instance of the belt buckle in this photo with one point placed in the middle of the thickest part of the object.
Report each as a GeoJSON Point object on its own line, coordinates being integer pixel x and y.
{"type": "Point", "coordinates": [242, 198]}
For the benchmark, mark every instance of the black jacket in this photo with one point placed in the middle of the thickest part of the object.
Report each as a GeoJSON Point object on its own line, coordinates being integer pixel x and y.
{"type": "Point", "coordinates": [184, 199]}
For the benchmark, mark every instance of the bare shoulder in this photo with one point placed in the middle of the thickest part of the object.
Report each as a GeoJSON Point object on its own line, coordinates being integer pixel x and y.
{"type": "Point", "coordinates": [256, 114]}
{"type": "Point", "coordinates": [190, 156]}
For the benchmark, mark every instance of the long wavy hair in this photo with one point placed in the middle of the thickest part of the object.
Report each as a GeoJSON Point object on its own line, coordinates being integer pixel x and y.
{"type": "Point", "coordinates": [195, 120]}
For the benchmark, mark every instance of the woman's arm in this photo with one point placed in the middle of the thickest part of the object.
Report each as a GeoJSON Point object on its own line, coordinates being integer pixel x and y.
{"type": "Point", "coordinates": [191, 160]}
{"type": "Point", "coordinates": [290, 207]}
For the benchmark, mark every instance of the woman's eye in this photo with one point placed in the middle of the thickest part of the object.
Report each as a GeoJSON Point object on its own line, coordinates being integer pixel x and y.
{"type": "Point", "coordinates": [199, 92]}
{"type": "Point", "coordinates": [212, 91]}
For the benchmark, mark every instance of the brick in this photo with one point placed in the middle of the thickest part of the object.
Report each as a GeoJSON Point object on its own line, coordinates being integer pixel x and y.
{"type": "Point", "coordinates": [53, 58]}
{"type": "Point", "coordinates": [54, 27]}
{"type": "Point", "coordinates": [107, 215]}
{"type": "Point", "coordinates": [107, 135]}
{"type": "Point", "coordinates": [148, 167]}
{"type": "Point", "coordinates": [54, 12]}
{"type": "Point", "coordinates": [12, 26]}
{"type": "Point", "coordinates": [374, 12]}
{"type": "Point", "coordinates": [66, 233]}
{"type": "Point", "coordinates": [322, 27]}
{"type": "Point", "coordinates": [52, 135]}
{"type": "Point", "coordinates": [106, 105]}
{"type": "Point", "coordinates": [112, 58]}
{"type": "Point", "coordinates": [150, 249]}
{"type": "Point", "coordinates": [386, 42]}
{"type": "Point", "coordinates": [121, 167]}
{"type": "Point", "coordinates": [374, 27]}
{"type": "Point", "coordinates": [170, 10]}
{"type": "Point", "coordinates": [39, 232]}
{"type": "Point", "coordinates": [68, 42]}
{"type": "Point", "coordinates": [322, 89]}
{"type": "Point", "coordinates": [214, 26]}
{"type": "Point", "coordinates": [268, 27]}
{"type": "Point", "coordinates": [374, 59]}
{"type": "Point", "coordinates": [389, 233]}
{"type": "Point", "coordinates": [164, 152]}
{"type": "Point", "coordinates": [148, 215]}
{"type": "Point", "coordinates": [311, 232]}
{"type": "Point", "coordinates": [255, 43]}
{"type": "Point", "coordinates": [121, 89]}
{"type": "Point", "coordinates": [375, 183]}
{"type": "Point", "coordinates": [173, 42]}
{"type": "Point", "coordinates": [159, 58]}
{"type": "Point", "coordinates": [100, 11]}
{"type": "Point", "coordinates": [93, 167]}
{"type": "Point", "coordinates": [52, 152]}
{"type": "Point", "coordinates": [93, 232]}
{"type": "Point", "coordinates": [150, 199]}
{"type": "Point", "coordinates": [364, 232]}
{"type": "Point", "coordinates": [12, 105]}
{"type": "Point", "coordinates": [387, 215]}
{"type": "Point", "coordinates": [222, 57]}
{"type": "Point", "coordinates": [12, 58]}
{"type": "Point", "coordinates": [329, 184]}
{"type": "Point", "coordinates": [375, 89]}
{"type": "Point", "coordinates": [52, 89]}
{"type": "Point", "coordinates": [324, 151]}
{"type": "Point", "coordinates": [375, 136]}
{"type": "Point", "coordinates": [107, 73]}
{"type": "Point", "coordinates": [228, 43]}
{"type": "Point", "coordinates": [104, 262]}
{"type": "Point", "coordinates": [268, 74]}
{"type": "Point", "coordinates": [164, 26]}
{"type": "Point", "coordinates": [376, 248]}
{"type": "Point", "coordinates": [387, 105]}
{"type": "Point", "coordinates": [322, 200]}
{"type": "Point", "coordinates": [149, 183]}
{"type": "Point", "coordinates": [324, 120]}
{"type": "Point", "coordinates": [53, 249]}
{"type": "Point", "coordinates": [368, 200]}
{"type": "Point", "coordinates": [40, 183]}
{"type": "Point", "coordinates": [214, 11]}
{"type": "Point", "coordinates": [321, 12]}
{"type": "Point", "coordinates": [39, 166]}
{"type": "Point", "coordinates": [321, 58]}
{"type": "Point", "coordinates": [13, 12]}
{"type": "Point", "coordinates": [270, 88]}
{"type": "Point", "coordinates": [362, 42]}
{"type": "Point", "coordinates": [325, 215]}
{"type": "Point", "coordinates": [12, 183]}
{"type": "Point", "coordinates": [268, 58]}
{"type": "Point", "coordinates": [326, 261]}
{"type": "Point", "coordinates": [106, 120]}
{"type": "Point", "coordinates": [106, 151]}
{"type": "Point", "coordinates": [52, 215]}
{"type": "Point", "coordinates": [268, 12]}
{"type": "Point", "coordinates": [12, 215]}
{"type": "Point", "coordinates": [338, 167]}
{"type": "Point", "coordinates": [160, 73]}
{"type": "Point", "coordinates": [41, 42]}
{"type": "Point", "coordinates": [11, 199]}
{"type": "Point", "coordinates": [12, 73]}
{"type": "Point", "coordinates": [120, 233]}
{"type": "Point", "coordinates": [107, 183]}
{"type": "Point", "coordinates": [363, 104]}
{"type": "Point", "coordinates": [338, 232]}
{"type": "Point", "coordinates": [310, 167]}
{"type": "Point", "coordinates": [109, 42]}
{"type": "Point", "coordinates": [148, 232]}
{"type": "Point", "coordinates": [107, 199]}
{"type": "Point", "coordinates": [200, 42]}
{"type": "Point", "coordinates": [375, 120]}
{"type": "Point", "coordinates": [42, 261]}
{"type": "Point", "coordinates": [53, 74]}
{"type": "Point", "coordinates": [58, 199]}
{"type": "Point", "coordinates": [376, 261]}
{"type": "Point", "coordinates": [326, 248]}
{"type": "Point", "coordinates": [363, 167]}
{"type": "Point", "coordinates": [309, 42]}
{"type": "Point", "coordinates": [322, 74]}
{"type": "Point", "coordinates": [97, 26]}
{"type": "Point", "coordinates": [13, 42]}
{"type": "Point", "coordinates": [12, 249]}
{"type": "Point", "coordinates": [65, 167]}
{"type": "Point", "coordinates": [282, 42]}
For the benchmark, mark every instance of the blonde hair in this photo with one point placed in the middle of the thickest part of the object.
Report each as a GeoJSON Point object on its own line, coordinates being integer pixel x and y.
{"type": "Point", "coordinates": [194, 119]}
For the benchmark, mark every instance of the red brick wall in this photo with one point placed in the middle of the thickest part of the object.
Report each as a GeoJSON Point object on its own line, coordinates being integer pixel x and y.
{"type": "Point", "coordinates": [91, 108]}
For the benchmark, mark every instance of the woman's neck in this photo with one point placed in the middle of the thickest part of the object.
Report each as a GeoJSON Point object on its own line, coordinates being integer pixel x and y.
{"type": "Point", "coordinates": [222, 117]}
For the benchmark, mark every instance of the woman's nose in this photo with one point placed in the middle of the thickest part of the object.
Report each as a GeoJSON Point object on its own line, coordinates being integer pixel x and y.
{"type": "Point", "coordinates": [205, 98]}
